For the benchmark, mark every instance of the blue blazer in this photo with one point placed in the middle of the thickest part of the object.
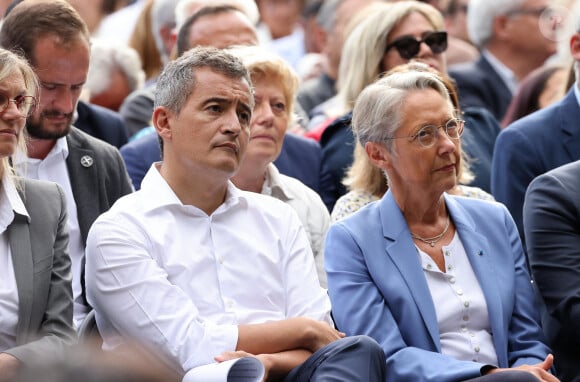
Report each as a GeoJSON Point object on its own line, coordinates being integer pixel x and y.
{"type": "Point", "coordinates": [531, 146]}
{"type": "Point", "coordinates": [377, 287]}
{"type": "Point", "coordinates": [101, 123]}
{"type": "Point", "coordinates": [479, 85]}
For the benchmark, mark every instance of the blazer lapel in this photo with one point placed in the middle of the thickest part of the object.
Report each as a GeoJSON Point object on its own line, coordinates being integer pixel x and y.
{"type": "Point", "coordinates": [83, 175]}
{"type": "Point", "coordinates": [19, 239]}
{"type": "Point", "coordinates": [569, 115]}
{"type": "Point", "coordinates": [402, 251]}
{"type": "Point", "coordinates": [477, 248]}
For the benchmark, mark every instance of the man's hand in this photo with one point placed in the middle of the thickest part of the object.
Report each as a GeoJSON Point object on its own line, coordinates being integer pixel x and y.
{"type": "Point", "coordinates": [9, 365]}
{"type": "Point", "coordinates": [319, 334]}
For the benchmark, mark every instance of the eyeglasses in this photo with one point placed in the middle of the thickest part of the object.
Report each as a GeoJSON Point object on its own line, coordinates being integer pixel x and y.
{"type": "Point", "coordinates": [24, 104]}
{"type": "Point", "coordinates": [428, 135]}
{"type": "Point", "coordinates": [408, 46]}
{"type": "Point", "coordinates": [537, 12]}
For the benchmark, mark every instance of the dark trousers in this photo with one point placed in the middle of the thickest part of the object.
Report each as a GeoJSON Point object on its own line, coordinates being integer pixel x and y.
{"type": "Point", "coordinates": [351, 359]}
{"type": "Point", "coordinates": [507, 376]}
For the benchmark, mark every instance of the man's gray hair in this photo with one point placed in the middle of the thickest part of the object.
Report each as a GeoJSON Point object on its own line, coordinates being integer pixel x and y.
{"type": "Point", "coordinates": [177, 81]}
{"type": "Point", "coordinates": [377, 112]}
{"type": "Point", "coordinates": [326, 16]}
{"type": "Point", "coordinates": [162, 15]}
{"type": "Point", "coordinates": [248, 7]}
{"type": "Point", "coordinates": [482, 13]}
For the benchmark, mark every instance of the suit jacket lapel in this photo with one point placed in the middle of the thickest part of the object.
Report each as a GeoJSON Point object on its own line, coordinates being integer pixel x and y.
{"type": "Point", "coordinates": [478, 249]}
{"type": "Point", "coordinates": [83, 176]}
{"type": "Point", "coordinates": [402, 251]}
{"type": "Point", "coordinates": [569, 117]}
{"type": "Point", "coordinates": [19, 239]}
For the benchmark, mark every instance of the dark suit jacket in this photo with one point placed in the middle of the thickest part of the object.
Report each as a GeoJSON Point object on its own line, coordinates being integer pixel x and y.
{"type": "Point", "coordinates": [299, 158]}
{"type": "Point", "coordinates": [531, 146]}
{"type": "Point", "coordinates": [101, 123]}
{"type": "Point", "coordinates": [43, 272]}
{"type": "Point", "coordinates": [98, 178]}
{"type": "Point", "coordinates": [97, 175]}
{"type": "Point", "coordinates": [478, 84]}
{"type": "Point", "coordinates": [137, 109]}
{"type": "Point", "coordinates": [552, 227]}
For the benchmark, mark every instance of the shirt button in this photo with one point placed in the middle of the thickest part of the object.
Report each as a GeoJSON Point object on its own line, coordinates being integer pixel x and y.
{"type": "Point", "coordinates": [447, 253]}
{"type": "Point", "coordinates": [466, 304]}
{"type": "Point", "coordinates": [452, 280]}
{"type": "Point", "coordinates": [466, 318]}
{"type": "Point", "coordinates": [463, 328]}
{"type": "Point", "coordinates": [476, 349]}
{"type": "Point", "coordinates": [429, 266]}
{"type": "Point", "coordinates": [450, 267]}
{"type": "Point", "coordinates": [460, 291]}
{"type": "Point", "coordinates": [471, 334]}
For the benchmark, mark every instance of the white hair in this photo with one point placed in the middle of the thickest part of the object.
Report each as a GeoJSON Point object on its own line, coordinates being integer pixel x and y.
{"type": "Point", "coordinates": [481, 14]}
{"type": "Point", "coordinates": [106, 57]}
{"type": "Point", "coordinates": [162, 15]}
{"type": "Point", "coordinates": [248, 7]}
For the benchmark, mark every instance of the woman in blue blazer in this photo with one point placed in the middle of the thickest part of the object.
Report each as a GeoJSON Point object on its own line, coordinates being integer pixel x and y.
{"type": "Point", "coordinates": [35, 276]}
{"type": "Point", "coordinates": [439, 281]}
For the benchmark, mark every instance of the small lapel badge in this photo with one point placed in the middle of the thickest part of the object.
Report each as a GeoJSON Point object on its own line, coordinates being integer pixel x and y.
{"type": "Point", "coordinates": [86, 161]}
{"type": "Point", "coordinates": [480, 253]}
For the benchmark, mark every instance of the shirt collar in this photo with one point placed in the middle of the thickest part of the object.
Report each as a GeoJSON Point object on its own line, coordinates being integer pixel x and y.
{"type": "Point", "coordinates": [10, 202]}
{"type": "Point", "coordinates": [60, 148]}
{"type": "Point", "coordinates": [503, 71]}
{"type": "Point", "coordinates": [274, 186]}
{"type": "Point", "coordinates": [159, 194]}
{"type": "Point", "coordinates": [577, 92]}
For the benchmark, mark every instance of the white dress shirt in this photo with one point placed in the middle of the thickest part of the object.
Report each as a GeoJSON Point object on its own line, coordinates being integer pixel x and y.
{"type": "Point", "coordinates": [310, 209]}
{"type": "Point", "coordinates": [53, 169]}
{"type": "Point", "coordinates": [462, 316]}
{"type": "Point", "coordinates": [171, 276]}
{"type": "Point", "coordinates": [10, 202]}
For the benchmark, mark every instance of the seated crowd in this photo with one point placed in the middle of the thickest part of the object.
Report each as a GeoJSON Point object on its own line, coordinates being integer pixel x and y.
{"type": "Point", "coordinates": [371, 190]}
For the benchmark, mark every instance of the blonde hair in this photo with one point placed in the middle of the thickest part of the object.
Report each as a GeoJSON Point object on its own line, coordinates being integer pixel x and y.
{"type": "Point", "coordinates": [364, 48]}
{"type": "Point", "coordinates": [263, 64]}
{"type": "Point", "coordinates": [11, 63]}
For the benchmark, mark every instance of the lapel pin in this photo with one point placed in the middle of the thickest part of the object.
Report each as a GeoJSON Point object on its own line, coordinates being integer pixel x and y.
{"type": "Point", "coordinates": [480, 253]}
{"type": "Point", "coordinates": [86, 161]}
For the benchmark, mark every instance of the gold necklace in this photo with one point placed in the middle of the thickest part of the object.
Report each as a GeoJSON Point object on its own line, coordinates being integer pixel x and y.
{"type": "Point", "coordinates": [432, 240]}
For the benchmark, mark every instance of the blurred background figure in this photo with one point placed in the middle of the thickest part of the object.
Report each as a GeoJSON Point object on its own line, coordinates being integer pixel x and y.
{"type": "Point", "coordinates": [512, 45]}
{"type": "Point", "coordinates": [539, 89]}
{"type": "Point", "coordinates": [118, 25]}
{"type": "Point", "coordinates": [275, 85]}
{"type": "Point", "coordinates": [460, 47]}
{"type": "Point", "coordinates": [114, 72]}
{"type": "Point", "coordinates": [280, 30]}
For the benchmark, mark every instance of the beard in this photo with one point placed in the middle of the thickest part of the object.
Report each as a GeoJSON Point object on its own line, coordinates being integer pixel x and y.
{"type": "Point", "coordinates": [39, 127]}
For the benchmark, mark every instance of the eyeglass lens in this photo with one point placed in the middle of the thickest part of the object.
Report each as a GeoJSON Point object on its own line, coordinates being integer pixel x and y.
{"type": "Point", "coordinates": [408, 47]}
{"type": "Point", "coordinates": [24, 104]}
{"type": "Point", "coordinates": [428, 134]}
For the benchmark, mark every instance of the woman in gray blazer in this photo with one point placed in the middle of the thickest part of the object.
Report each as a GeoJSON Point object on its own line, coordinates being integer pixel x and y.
{"type": "Point", "coordinates": [35, 276]}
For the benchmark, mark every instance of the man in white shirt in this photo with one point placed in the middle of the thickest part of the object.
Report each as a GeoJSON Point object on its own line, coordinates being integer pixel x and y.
{"type": "Point", "coordinates": [201, 271]}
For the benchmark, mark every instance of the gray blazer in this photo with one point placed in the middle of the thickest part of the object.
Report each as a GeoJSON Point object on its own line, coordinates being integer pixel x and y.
{"type": "Point", "coordinates": [42, 267]}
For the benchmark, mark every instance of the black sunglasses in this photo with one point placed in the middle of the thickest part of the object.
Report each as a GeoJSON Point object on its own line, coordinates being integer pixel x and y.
{"type": "Point", "coordinates": [408, 46]}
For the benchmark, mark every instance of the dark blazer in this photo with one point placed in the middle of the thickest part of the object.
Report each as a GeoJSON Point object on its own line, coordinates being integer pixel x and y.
{"type": "Point", "coordinates": [478, 84]}
{"type": "Point", "coordinates": [377, 287]}
{"type": "Point", "coordinates": [42, 267]}
{"type": "Point", "coordinates": [299, 158]}
{"type": "Point", "coordinates": [552, 227]}
{"type": "Point", "coordinates": [97, 175]}
{"type": "Point", "coordinates": [101, 123]}
{"type": "Point", "coordinates": [531, 146]}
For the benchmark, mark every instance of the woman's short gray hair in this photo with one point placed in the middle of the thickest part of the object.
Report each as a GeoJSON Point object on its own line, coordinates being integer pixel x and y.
{"type": "Point", "coordinates": [377, 112]}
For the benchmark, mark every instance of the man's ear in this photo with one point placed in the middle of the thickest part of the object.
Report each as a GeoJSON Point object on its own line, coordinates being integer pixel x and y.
{"type": "Point", "coordinates": [162, 122]}
{"type": "Point", "coordinates": [378, 155]}
{"type": "Point", "coordinates": [575, 46]}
